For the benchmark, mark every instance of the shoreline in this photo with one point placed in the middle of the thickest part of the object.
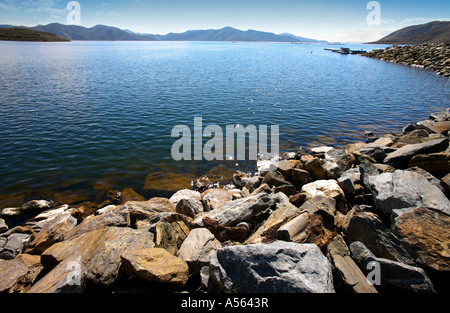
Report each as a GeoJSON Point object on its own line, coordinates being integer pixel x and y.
{"type": "Point", "coordinates": [385, 200]}
{"type": "Point", "coordinates": [435, 57]}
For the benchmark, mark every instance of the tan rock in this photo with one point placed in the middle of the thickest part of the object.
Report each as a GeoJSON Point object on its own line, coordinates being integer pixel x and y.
{"type": "Point", "coordinates": [100, 251]}
{"type": "Point", "coordinates": [155, 265]}
{"type": "Point", "coordinates": [214, 198]}
{"type": "Point", "coordinates": [294, 230]}
{"type": "Point", "coordinates": [52, 232]}
{"type": "Point", "coordinates": [425, 235]}
{"type": "Point", "coordinates": [17, 275]}
{"type": "Point", "coordinates": [347, 270]}
{"type": "Point", "coordinates": [140, 210]}
{"type": "Point", "coordinates": [283, 212]}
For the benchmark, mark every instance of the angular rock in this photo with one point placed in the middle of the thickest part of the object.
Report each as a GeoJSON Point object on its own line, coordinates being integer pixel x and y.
{"type": "Point", "coordinates": [403, 156]}
{"type": "Point", "coordinates": [100, 251]}
{"type": "Point", "coordinates": [14, 245]}
{"type": "Point", "coordinates": [433, 180]}
{"type": "Point", "coordinates": [10, 212]}
{"type": "Point", "coordinates": [373, 150]}
{"type": "Point", "coordinates": [327, 188]}
{"type": "Point", "coordinates": [252, 183]}
{"type": "Point", "coordinates": [392, 273]}
{"type": "Point", "coordinates": [425, 235]}
{"type": "Point", "coordinates": [198, 248]}
{"type": "Point", "coordinates": [17, 275]}
{"type": "Point", "coordinates": [299, 178]}
{"type": "Point", "coordinates": [52, 232]}
{"type": "Point", "coordinates": [283, 213]}
{"type": "Point", "coordinates": [117, 218]}
{"type": "Point", "coordinates": [214, 198]}
{"type": "Point", "coordinates": [187, 194]}
{"type": "Point", "coordinates": [189, 207]}
{"type": "Point", "coordinates": [165, 237]}
{"type": "Point", "coordinates": [337, 162]}
{"type": "Point", "coordinates": [285, 168]}
{"type": "Point", "coordinates": [295, 230]}
{"type": "Point", "coordinates": [437, 164]}
{"type": "Point", "coordinates": [315, 169]}
{"type": "Point", "coordinates": [398, 192]}
{"type": "Point", "coordinates": [68, 277]}
{"type": "Point", "coordinates": [323, 206]}
{"type": "Point", "coordinates": [223, 233]}
{"type": "Point", "coordinates": [367, 228]}
{"type": "Point", "coordinates": [143, 210]}
{"type": "Point", "coordinates": [350, 276]}
{"type": "Point", "coordinates": [242, 210]}
{"type": "Point", "coordinates": [286, 268]}
{"type": "Point", "coordinates": [155, 265]}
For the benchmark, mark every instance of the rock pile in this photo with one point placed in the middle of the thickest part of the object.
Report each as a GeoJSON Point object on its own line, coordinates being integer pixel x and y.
{"type": "Point", "coordinates": [435, 57]}
{"type": "Point", "coordinates": [371, 217]}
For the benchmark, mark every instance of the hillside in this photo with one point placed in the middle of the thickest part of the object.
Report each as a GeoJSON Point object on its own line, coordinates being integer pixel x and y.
{"type": "Point", "coordinates": [107, 33]}
{"type": "Point", "coordinates": [25, 34]}
{"type": "Point", "coordinates": [434, 32]}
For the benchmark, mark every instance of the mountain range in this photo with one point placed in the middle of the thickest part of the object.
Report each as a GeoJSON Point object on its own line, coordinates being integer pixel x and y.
{"type": "Point", "coordinates": [433, 32]}
{"type": "Point", "coordinates": [108, 33]}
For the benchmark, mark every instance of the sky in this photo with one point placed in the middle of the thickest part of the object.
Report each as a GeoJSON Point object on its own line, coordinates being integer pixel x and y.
{"type": "Point", "coordinates": [332, 20]}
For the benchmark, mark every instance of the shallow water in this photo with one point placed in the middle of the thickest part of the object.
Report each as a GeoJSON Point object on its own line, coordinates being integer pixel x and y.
{"type": "Point", "coordinates": [96, 115]}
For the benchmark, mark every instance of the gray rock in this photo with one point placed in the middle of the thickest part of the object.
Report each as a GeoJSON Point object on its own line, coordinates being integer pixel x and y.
{"type": "Point", "coordinates": [392, 273]}
{"type": "Point", "coordinates": [348, 179]}
{"type": "Point", "coordinates": [367, 170]}
{"type": "Point", "coordinates": [403, 156]}
{"type": "Point", "coordinates": [373, 150]}
{"type": "Point", "coordinates": [241, 210]}
{"type": "Point", "coordinates": [280, 267]}
{"type": "Point", "coordinates": [198, 248]}
{"type": "Point", "coordinates": [441, 116]}
{"type": "Point", "coordinates": [189, 207]}
{"type": "Point", "coordinates": [401, 191]}
{"type": "Point", "coordinates": [367, 227]}
{"type": "Point", "coordinates": [14, 245]}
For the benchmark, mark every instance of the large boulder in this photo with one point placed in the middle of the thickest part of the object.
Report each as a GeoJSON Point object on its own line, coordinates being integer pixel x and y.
{"type": "Point", "coordinates": [140, 210]}
{"type": "Point", "coordinates": [13, 245]}
{"type": "Point", "coordinates": [279, 267]}
{"type": "Point", "coordinates": [367, 228]}
{"type": "Point", "coordinates": [100, 251]}
{"type": "Point", "coordinates": [68, 277]}
{"type": "Point", "coordinates": [425, 235]}
{"type": "Point", "coordinates": [17, 275]}
{"type": "Point", "coordinates": [401, 191]}
{"type": "Point", "coordinates": [192, 201]}
{"type": "Point", "coordinates": [391, 273]}
{"type": "Point", "coordinates": [401, 157]}
{"type": "Point", "coordinates": [214, 198]}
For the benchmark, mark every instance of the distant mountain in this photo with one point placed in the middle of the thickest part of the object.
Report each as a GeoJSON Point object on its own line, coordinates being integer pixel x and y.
{"type": "Point", "coordinates": [304, 39]}
{"type": "Point", "coordinates": [107, 33]}
{"type": "Point", "coordinates": [434, 32]}
{"type": "Point", "coordinates": [99, 32]}
{"type": "Point", "coordinates": [25, 34]}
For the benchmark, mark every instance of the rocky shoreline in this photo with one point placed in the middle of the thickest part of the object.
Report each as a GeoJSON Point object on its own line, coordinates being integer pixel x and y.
{"type": "Point", "coordinates": [371, 217]}
{"type": "Point", "coordinates": [435, 57]}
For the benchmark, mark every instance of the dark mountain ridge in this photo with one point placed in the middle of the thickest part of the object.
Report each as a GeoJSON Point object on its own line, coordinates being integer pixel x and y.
{"type": "Point", "coordinates": [433, 32]}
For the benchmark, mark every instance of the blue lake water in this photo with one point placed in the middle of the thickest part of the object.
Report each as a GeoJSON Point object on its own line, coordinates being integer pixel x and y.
{"type": "Point", "coordinates": [73, 115]}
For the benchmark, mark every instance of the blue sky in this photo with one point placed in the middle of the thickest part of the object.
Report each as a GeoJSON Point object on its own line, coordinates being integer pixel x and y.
{"type": "Point", "coordinates": [338, 20]}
